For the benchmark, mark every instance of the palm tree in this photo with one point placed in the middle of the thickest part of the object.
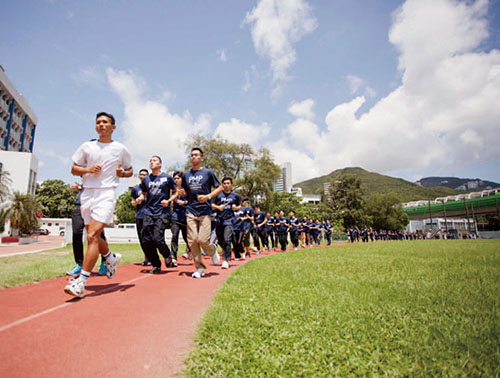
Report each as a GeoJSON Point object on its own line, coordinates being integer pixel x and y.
{"type": "Point", "coordinates": [22, 212]}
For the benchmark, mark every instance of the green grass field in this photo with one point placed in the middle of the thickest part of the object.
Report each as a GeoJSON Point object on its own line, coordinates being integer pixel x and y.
{"type": "Point", "coordinates": [422, 308]}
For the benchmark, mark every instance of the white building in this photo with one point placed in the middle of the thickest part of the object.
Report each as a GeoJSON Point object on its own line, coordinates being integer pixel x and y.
{"type": "Point", "coordinates": [17, 119]}
{"type": "Point", "coordinates": [17, 134]}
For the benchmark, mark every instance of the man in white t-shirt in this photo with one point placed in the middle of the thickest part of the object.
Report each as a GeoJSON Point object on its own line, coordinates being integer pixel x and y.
{"type": "Point", "coordinates": [101, 163]}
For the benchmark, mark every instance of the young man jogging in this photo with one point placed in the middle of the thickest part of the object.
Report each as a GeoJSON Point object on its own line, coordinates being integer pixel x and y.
{"type": "Point", "coordinates": [197, 184]}
{"type": "Point", "coordinates": [260, 233]}
{"type": "Point", "coordinates": [139, 215]}
{"type": "Point", "coordinates": [225, 204]}
{"type": "Point", "coordinates": [101, 163]}
{"type": "Point", "coordinates": [294, 223]}
{"type": "Point", "coordinates": [156, 189]}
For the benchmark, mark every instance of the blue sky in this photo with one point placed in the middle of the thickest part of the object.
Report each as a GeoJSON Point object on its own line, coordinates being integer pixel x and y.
{"type": "Point", "coordinates": [405, 88]}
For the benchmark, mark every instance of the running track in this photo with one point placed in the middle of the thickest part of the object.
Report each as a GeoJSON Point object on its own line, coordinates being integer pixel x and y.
{"type": "Point", "coordinates": [134, 325]}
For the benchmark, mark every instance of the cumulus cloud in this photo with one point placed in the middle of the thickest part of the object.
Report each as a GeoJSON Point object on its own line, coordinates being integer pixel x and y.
{"type": "Point", "coordinates": [149, 127]}
{"type": "Point", "coordinates": [237, 131]}
{"type": "Point", "coordinates": [303, 109]}
{"type": "Point", "coordinates": [276, 26]}
{"type": "Point", "coordinates": [443, 114]}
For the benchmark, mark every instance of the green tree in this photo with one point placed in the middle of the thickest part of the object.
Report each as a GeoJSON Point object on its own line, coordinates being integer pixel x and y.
{"type": "Point", "coordinates": [56, 198]}
{"type": "Point", "coordinates": [277, 201]}
{"type": "Point", "coordinates": [124, 211]}
{"type": "Point", "coordinates": [257, 182]}
{"type": "Point", "coordinates": [22, 213]}
{"type": "Point", "coordinates": [345, 198]}
{"type": "Point", "coordinates": [385, 212]}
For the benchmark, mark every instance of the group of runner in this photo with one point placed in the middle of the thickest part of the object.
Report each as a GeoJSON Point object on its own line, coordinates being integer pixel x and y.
{"type": "Point", "coordinates": [204, 211]}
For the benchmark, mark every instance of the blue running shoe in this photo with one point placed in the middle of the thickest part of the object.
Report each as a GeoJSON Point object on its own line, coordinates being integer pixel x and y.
{"type": "Point", "coordinates": [75, 271]}
{"type": "Point", "coordinates": [103, 269]}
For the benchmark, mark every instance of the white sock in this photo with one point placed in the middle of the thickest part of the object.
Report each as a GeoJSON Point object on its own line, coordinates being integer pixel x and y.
{"type": "Point", "coordinates": [110, 257]}
{"type": "Point", "coordinates": [84, 276]}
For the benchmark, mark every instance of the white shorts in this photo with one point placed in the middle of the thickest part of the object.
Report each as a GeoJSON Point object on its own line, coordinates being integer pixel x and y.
{"type": "Point", "coordinates": [98, 204]}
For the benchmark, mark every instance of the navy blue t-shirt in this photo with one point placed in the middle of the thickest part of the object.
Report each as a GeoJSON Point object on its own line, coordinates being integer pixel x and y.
{"type": "Point", "coordinates": [157, 189]}
{"type": "Point", "coordinates": [259, 218]}
{"type": "Point", "coordinates": [179, 211]}
{"type": "Point", "coordinates": [136, 192]}
{"type": "Point", "coordinates": [199, 182]}
{"type": "Point", "coordinates": [238, 223]}
{"type": "Point", "coordinates": [269, 224]}
{"type": "Point", "coordinates": [282, 224]}
{"type": "Point", "coordinates": [294, 222]}
{"type": "Point", "coordinates": [226, 216]}
{"type": "Point", "coordinates": [248, 224]}
{"type": "Point", "coordinates": [328, 228]}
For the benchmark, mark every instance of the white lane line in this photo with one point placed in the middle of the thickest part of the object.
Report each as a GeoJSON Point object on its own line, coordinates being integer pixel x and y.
{"type": "Point", "coordinates": [62, 305]}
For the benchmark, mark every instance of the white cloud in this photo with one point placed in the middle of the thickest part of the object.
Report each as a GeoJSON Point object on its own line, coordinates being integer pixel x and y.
{"type": "Point", "coordinates": [50, 153]}
{"type": "Point", "coordinates": [237, 131]}
{"type": "Point", "coordinates": [443, 114]}
{"type": "Point", "coordinates": [221, 54]}
{"type": "Point", "coordinates": [149, 127]}
{"type": "Point", "coordinates": [250, 77]}
{"type": "Point", "coordinates": [303, 109]}
{"type": "Point", "coordinates": [276, 27]}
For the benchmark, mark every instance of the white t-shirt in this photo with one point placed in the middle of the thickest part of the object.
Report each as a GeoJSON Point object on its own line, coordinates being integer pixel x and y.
{"type": "Point", "coordinates": [108, 155]}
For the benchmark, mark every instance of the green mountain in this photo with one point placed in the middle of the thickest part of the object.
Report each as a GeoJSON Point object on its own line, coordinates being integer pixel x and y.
{"type": "Point", "coordinates": [373, 183]}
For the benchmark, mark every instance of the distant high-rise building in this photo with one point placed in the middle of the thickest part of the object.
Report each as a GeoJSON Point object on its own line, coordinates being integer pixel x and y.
{"type": "Point", "coordinates": [284, 182]}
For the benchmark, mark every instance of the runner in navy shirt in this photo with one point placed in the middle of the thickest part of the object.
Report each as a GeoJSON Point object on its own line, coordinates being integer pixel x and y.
{"type": "Point", "coordinates": [260, 233]}
{"type": "Point", "coordinates": [269, 230]}
{"type": "Point", "coordinates": [178, 224]}
{"type": "Point", "coordinates": [328, 231]}
{"type": "Point", "coordinates": [238, 233]}
{"type": "Point", "coordinates": [283, 226]}
{"type": "Point", "coordinates": [275, 230]}
{"type": "Point", "coordinates": [225, 204]}
{"type": "Point", "coordinates": [139, 215]}
{"type": "Point", "coordinates": [248, 225]}
{"type": "Point", "coordinates": [197, 184]}
{"type": "Point", "coordinates": [294, 223]}
{"type": "Point", "coordinates": [156, 189]}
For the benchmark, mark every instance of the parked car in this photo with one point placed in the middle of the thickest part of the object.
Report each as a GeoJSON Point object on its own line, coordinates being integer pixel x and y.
{"type": "Point", "coordinates": [40, 231]}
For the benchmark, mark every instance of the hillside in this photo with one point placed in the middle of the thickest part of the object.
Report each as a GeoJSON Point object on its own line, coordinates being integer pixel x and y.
{"type": "Point", "coordinates": [456, 182]}
{"type": "Point", "coordinates": [373, 183]}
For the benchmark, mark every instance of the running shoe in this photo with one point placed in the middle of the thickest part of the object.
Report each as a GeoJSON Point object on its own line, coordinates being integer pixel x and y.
{"type": "Point", "coordinates": [174, 263]}
{"type": "Point", "coordinates": [111, 266]}
{"type": "Point", "coordinates": [156, 270]}
{"type": "Point", "coordinates": [75, 271]}
{"type": "Point", "coordinates": [225, 265]}
{"type": "Point", "coordinates": [215, 258]}
{"type": "Point", "coordinates": [258, 252]}
{"type": "Point", "coordinates": [146, 263]}
{"type": "Point", "coordinates": [76, 288]}
{"type": "Point", "coordinates": [103, 269]}
{"type": "Point", "coordinates": [200, 272]}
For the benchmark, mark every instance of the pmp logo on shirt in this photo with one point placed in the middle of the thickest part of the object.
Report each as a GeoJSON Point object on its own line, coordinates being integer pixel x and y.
{"type": "Point", "coordinates": [195, 179]}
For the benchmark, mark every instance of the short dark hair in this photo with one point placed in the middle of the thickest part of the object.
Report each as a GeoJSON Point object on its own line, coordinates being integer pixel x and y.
{"type": "Point", "coordinates": [256, 206]}
{"type": "Point", "coordinates": [227, 178]}
{"type": "Point", "coordinates": [110, 116]}
{"type": "Point", "coordinates": [178, 173]}
{"type": "Point", "coordinates": [144, 170]}
{"type": "Point", "coordinates": [292, 211]}
{"type": "Point", "coordinates": [197, 149]}
{"type": "Point", "coordinates": [244, 199]}
{"type": "Point", "coordinates": [156, 156]}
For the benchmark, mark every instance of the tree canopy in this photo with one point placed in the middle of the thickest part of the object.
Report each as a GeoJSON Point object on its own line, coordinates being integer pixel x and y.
{"type": "Point", "coordinates": [124, 211]}
{"type": "Point", "coordinates": [56, 198]}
